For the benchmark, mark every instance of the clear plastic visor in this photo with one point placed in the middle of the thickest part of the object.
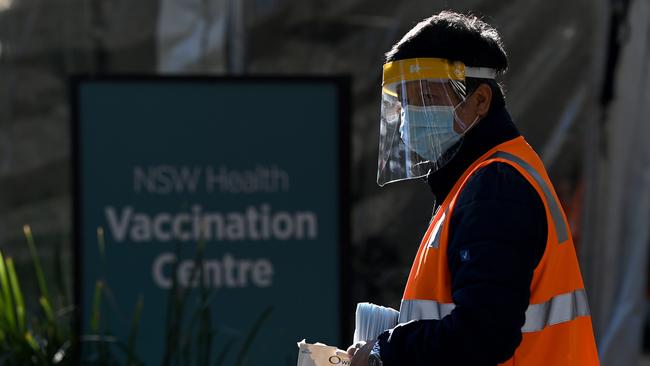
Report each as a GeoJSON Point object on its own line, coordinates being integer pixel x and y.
{"type": "Point", "coordinates": [420, 130]}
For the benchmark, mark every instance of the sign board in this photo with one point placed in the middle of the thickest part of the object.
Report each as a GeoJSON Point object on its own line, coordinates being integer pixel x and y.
{"type": "Point", "coordinates": [220, 205]}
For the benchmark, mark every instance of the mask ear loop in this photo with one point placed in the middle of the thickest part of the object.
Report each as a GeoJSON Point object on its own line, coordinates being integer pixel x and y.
{"type": "Point", "coordinates": [461, 90]}
{"type": "Point", "coordinates": [460, 121]}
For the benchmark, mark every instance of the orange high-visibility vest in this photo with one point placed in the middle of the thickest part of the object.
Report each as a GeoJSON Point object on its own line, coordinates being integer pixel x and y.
{"type": "Point", "coordinates": [558, 328]}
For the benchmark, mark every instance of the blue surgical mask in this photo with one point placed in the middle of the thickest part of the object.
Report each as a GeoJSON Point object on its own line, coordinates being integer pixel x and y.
{"type": "Point", "coordinates": [428, 130]}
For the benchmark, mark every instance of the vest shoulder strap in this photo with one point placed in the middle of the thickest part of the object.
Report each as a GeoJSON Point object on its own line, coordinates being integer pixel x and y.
{"type": "Point", "coordinates": [553, 205]}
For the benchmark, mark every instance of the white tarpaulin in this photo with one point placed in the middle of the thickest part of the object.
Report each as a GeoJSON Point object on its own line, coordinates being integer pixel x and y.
{"type": "Point", "coordinates": [193, 35]}
{"type": "Point", "coordinates": [617, 221]}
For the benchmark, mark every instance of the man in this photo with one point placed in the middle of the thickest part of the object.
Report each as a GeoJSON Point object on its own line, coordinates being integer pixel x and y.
{"type": "Point", "coordinates": [496, 279]}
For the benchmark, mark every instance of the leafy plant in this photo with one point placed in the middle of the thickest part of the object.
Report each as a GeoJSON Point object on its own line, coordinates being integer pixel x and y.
{"type": "Point", "coordinates": [48, 335]}
{"type": "Point", "coordinates": [43, 337]}
{"type": "Point", "coordinates": [187, 345]}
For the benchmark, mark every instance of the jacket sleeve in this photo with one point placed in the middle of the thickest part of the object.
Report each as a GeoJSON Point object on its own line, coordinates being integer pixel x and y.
{"type": "Point", "coordinates": [497, 236]}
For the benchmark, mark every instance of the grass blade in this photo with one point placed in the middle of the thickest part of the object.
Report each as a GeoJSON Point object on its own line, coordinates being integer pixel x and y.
{"type": "Point", "coordinates": [224, 352]}
{"type": "Point", "coordinates": [133, 335]}
{"type": "Point", "coordinates": [40, 277]}
{"type": "Point", "coordinates": [175, 307]}
{"type": "Point", "coordinates": [8, 313]}
{"type": "Point", "coordinates": [241, 357]}
{"type": "Point", "coordinates": [54, 331]}
{"type": "Point", "coordinates": [18, 296]}
{"type": "Point", "coordinates": [47, 308]}
{"type": "Point", "coordinates": [31, 342]}
{"type": "Point", "coordinates": [97, 304]}
{"type": "Point", "coordinates": [101, 243]}
{"type": "Point", "coordinates": [62, 291]}
{"type": "Point", "coordinates": [3, 307]}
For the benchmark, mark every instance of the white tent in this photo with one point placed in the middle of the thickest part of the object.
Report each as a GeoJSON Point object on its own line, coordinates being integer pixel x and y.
{"type": "Point", "coordinates": [199, 36]}
{"type": "Point", "coordinates": [617, 205]}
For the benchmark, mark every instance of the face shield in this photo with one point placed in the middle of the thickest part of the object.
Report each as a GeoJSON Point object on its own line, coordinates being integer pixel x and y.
{"type": "Point", "coordinates": [420, 130]}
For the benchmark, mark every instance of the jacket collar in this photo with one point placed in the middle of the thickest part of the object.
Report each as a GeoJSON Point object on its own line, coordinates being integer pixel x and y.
{"type": "Point", "coordinates": [494, 129]}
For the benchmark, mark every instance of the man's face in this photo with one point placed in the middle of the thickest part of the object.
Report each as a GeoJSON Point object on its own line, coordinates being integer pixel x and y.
{"type": "Point", "coordinates": [437, 93]}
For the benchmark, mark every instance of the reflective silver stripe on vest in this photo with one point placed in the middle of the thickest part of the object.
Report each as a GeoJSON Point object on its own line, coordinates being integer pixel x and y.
{"type": "Point", "coordinates": [553, 205]}
{"type": "Point", "coordinates": [423, 309]}
{"type": "Point", "coordinates": [434, 238]}
{"type": "Point", "coordinates": [559, 309]}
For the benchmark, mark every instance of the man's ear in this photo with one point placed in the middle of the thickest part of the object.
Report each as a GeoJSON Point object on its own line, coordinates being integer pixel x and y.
{"type": "Point", "coordinates": [482, 99]}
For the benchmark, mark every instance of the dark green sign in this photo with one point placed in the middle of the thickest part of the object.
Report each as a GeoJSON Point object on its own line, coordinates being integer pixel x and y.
{"type": "Point", "coordinates": [218, 205]}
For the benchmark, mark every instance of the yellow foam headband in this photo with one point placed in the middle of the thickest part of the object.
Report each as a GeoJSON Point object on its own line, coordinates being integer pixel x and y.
{"type": "Point", "coordinates": [431, 68]}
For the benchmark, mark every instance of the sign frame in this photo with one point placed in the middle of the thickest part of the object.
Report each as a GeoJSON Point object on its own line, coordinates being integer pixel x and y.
{"type": "Point", "coordinates": [342, 84]}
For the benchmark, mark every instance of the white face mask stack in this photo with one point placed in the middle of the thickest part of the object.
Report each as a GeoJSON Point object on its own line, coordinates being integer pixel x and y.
{"type": "Point", "coordinates": [372, 320]}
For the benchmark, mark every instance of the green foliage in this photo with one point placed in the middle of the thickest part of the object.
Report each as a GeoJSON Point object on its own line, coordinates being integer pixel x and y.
{"type": "Point", "coordinates": [43, 337]}
{"type": "Point", "coordinates": [48, 335]}
{"type": "Point", "coordinates": [190, 333]}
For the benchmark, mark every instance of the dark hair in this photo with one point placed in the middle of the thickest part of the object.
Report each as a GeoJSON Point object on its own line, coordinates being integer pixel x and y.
{"type": "Point", "coordinates": [457, 37]}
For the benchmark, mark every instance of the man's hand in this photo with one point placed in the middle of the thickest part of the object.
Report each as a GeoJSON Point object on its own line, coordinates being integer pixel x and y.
{"type": "Point", "coordinates": [353, 348]}
{"type": "Point", "coordinates": [359, 353]}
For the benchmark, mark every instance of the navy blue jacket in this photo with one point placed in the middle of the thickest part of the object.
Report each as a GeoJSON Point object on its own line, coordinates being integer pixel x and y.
{"type": "Point", "coordinates": [499, 223]}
